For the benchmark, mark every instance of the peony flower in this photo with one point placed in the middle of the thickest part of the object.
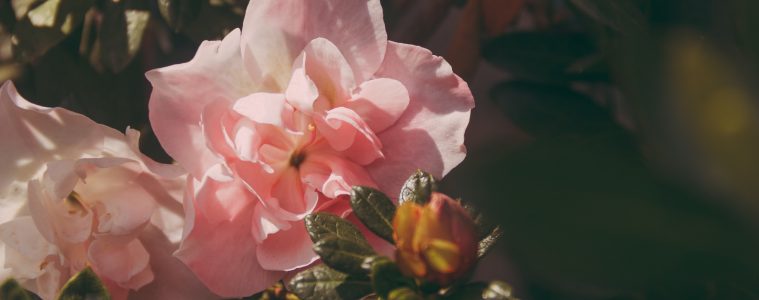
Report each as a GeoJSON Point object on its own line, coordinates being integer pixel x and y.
{"type": "Point", "coordinates": [74, 193]}
{"type": "Point", "coordinates": [437, 241]}
{"type": "Point", "coordinates": [281, 118]}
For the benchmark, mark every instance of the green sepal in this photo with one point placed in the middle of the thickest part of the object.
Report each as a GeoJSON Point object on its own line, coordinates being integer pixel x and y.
{"type": "Point", "coordinates": [386, 276]}
{"type": "Point", "coordinates": [418, 188]}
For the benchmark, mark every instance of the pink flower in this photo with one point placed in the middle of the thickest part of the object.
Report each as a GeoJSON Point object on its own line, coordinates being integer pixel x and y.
{"type": "Point", "coordinates": [74, 193]}
{"type": "Point", "coordinates": [280, 119]}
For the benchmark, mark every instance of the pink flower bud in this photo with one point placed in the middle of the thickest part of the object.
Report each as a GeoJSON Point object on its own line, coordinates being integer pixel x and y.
{"type": "Point", "coordinates": [437, 241]}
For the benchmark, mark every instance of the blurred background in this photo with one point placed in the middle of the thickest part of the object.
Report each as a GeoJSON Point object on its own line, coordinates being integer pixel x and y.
{"type": "Point", "coordinates": [616, 142]}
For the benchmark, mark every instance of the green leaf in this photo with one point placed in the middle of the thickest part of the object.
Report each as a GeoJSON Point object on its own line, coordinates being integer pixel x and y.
{"type": "Point", "coordinates": [418, 188]}
{"type": "Point", "coordinates": [386, 276]}
{"type": "Point", "coordinates": [322, 225]}
{"type": "Point", "coordinates": [12, 290]}
{"type": "Point", "coordinates": [21, 7]}
{"type": "Point", "coordinates": [84, 286]}
{"type": "Point", "coordinates": [120, 34]}
{"type": "Point", "coordinates": [179, 13]}
{"type": "Point", "coordinates": [375, 210]}
{"type": "Point", "coordinates": [543, 56]}
{"type": "Point", "coordinates": [494, 290]}
{"type": "Point", "coordinates": [344, 255]}
{"type": "Point", "coordinates": [621, 15]}
{"type": "Point", "coordinates": [338, 242]}
{"type": "Point", "coordinates": [321, 282]}
{"type": "Point", "coordinates": [548, 110]}
{"type": "Point", "coordinates": [46, 25]}
{"type": "Point", "coordinates": [404, 294]}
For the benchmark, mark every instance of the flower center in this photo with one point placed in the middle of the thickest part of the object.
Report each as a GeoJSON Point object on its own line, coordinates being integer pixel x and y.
{"type": "Point", "coordinates": [74, 204]}
{"type": "Point", "coordinates": [297, 158]}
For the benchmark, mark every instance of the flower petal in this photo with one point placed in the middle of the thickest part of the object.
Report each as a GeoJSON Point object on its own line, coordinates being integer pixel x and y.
{"type": "Point", "coordinates": [220, 196]}
{"type": "Point", "coordinates": [223, 256]}
{"type": "Point", "coordinates": [173, 280]}
{"type": "Point", "coordinates": [380, 102]}
{"type": "Point", "coordinates": [324, 69]}
{"type": "Point", "coordinates": [430, 133]}
{"type": "Point", "coordinates": [276, 31]}
{"type": "Point", "coordinates": [287, 250]}
{"type": "Point", "coordinates": [263, 108]}
{"type": "Point", "coordinates": [333, 175]}
{"type": "Point", "coordinates": [25, 247]}
{"type": "Point", "coordinates": [122, 205]}
{"type": "Point", "coordinates": [32, 135]}
{"type": "Point", "coordinates": [181, 92]}
{"type": "Point", "coordinates": [347, 132]}
{"type": "Point", "coordinates": [121, 261]}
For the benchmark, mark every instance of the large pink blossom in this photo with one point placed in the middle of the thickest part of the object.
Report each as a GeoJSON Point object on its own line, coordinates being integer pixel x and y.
{"type": "Point", "coordinates": [281, 118]}
{"type": "Point", "coordinates": [74, 193]}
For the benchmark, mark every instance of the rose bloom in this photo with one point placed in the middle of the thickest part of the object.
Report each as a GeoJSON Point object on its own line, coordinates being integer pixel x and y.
{"type": "Point", "coordinates": [74, 193]}
{"type": "Point", "coordinates": [280, 119]}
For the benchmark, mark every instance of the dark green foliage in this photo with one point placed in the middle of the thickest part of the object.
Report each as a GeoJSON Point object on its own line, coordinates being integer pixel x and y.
{"type": "Point", "coordinates": [321, 282]}
{"type": "Point", "coordinates": [179, 13]}
{"type": "Point", "coordinates": [386, 277]}
{"type": "Point", "coordinates": [46, 24]}
{"type": "Point", "coordinates": [418, 188]}
{"type": "Point", "coordinates": [375, 210]}
{"type": "Point", "coordinates": [84, 286]}
{"type": "Point", "coordinates": [338, 242]}
{"type": "Point", "coordinates": [12, 290]}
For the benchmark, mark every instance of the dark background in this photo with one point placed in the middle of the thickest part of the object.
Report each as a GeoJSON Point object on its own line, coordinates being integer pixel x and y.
{"type": "Point", "coordinates": [615, 141]}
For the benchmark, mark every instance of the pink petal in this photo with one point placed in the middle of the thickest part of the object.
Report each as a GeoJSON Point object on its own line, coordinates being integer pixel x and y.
{"type": "Point", "coordinates": [333, 175]}
{"type": "Point", "coordinates": [173, 280]}
{"type": "Point", "coordinates": [168, 171]}
{"type": "Point", "coordinates": [26, 246]}
{"type": "Point", "coordinates": [264, 108]}
{"type": "Point", "coordinates": [287, 250]}
{"type": "Point", "coordinates": [215, 121]}
{"type": "Point", "coordinates": [223, 256]}
{"type": "Point", "coordinates": [222, 197]}
{"type": "Point", "coordinates": [430, 133]}
{"type": "Point", "coordinates": [122, 205]}
{"type": "Point", "coordinates": [320, 66]}
{"type": "Point", "coordinates": [290, 192]}
{"type": "Point", "coordinates": [33, 135]}
{"type": "Point", "coordinates": [302, 92]}
{"type": "Point", "coordinates": [181, 92]}
{"type": "Point", "coordinates": [276, 31]}
{"type": "Point", "coordinates": [250, 137]}
{"type": "Point", "coordinates": [51, 216]}
{"type": "Point", "coordinates": [266, 223]}
{"type": "Point", "coordinates": [346, 131]}
{"type": "Point", "coordinates": [380, 102]}
{"type": "Point", "coordinates": [120, 261]}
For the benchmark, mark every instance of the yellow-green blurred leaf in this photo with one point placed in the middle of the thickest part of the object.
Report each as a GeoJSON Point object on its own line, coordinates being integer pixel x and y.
{"type": "Point", "coordinates": [46, 25]}
{"type": "Point", "coordinates": [84, 286]}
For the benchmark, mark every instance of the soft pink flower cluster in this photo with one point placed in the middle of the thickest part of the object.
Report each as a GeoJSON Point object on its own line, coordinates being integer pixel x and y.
{"type": "Point", "coordinates": [274, 122]}
{"type": "Point", "coordinates": [74, 193]}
